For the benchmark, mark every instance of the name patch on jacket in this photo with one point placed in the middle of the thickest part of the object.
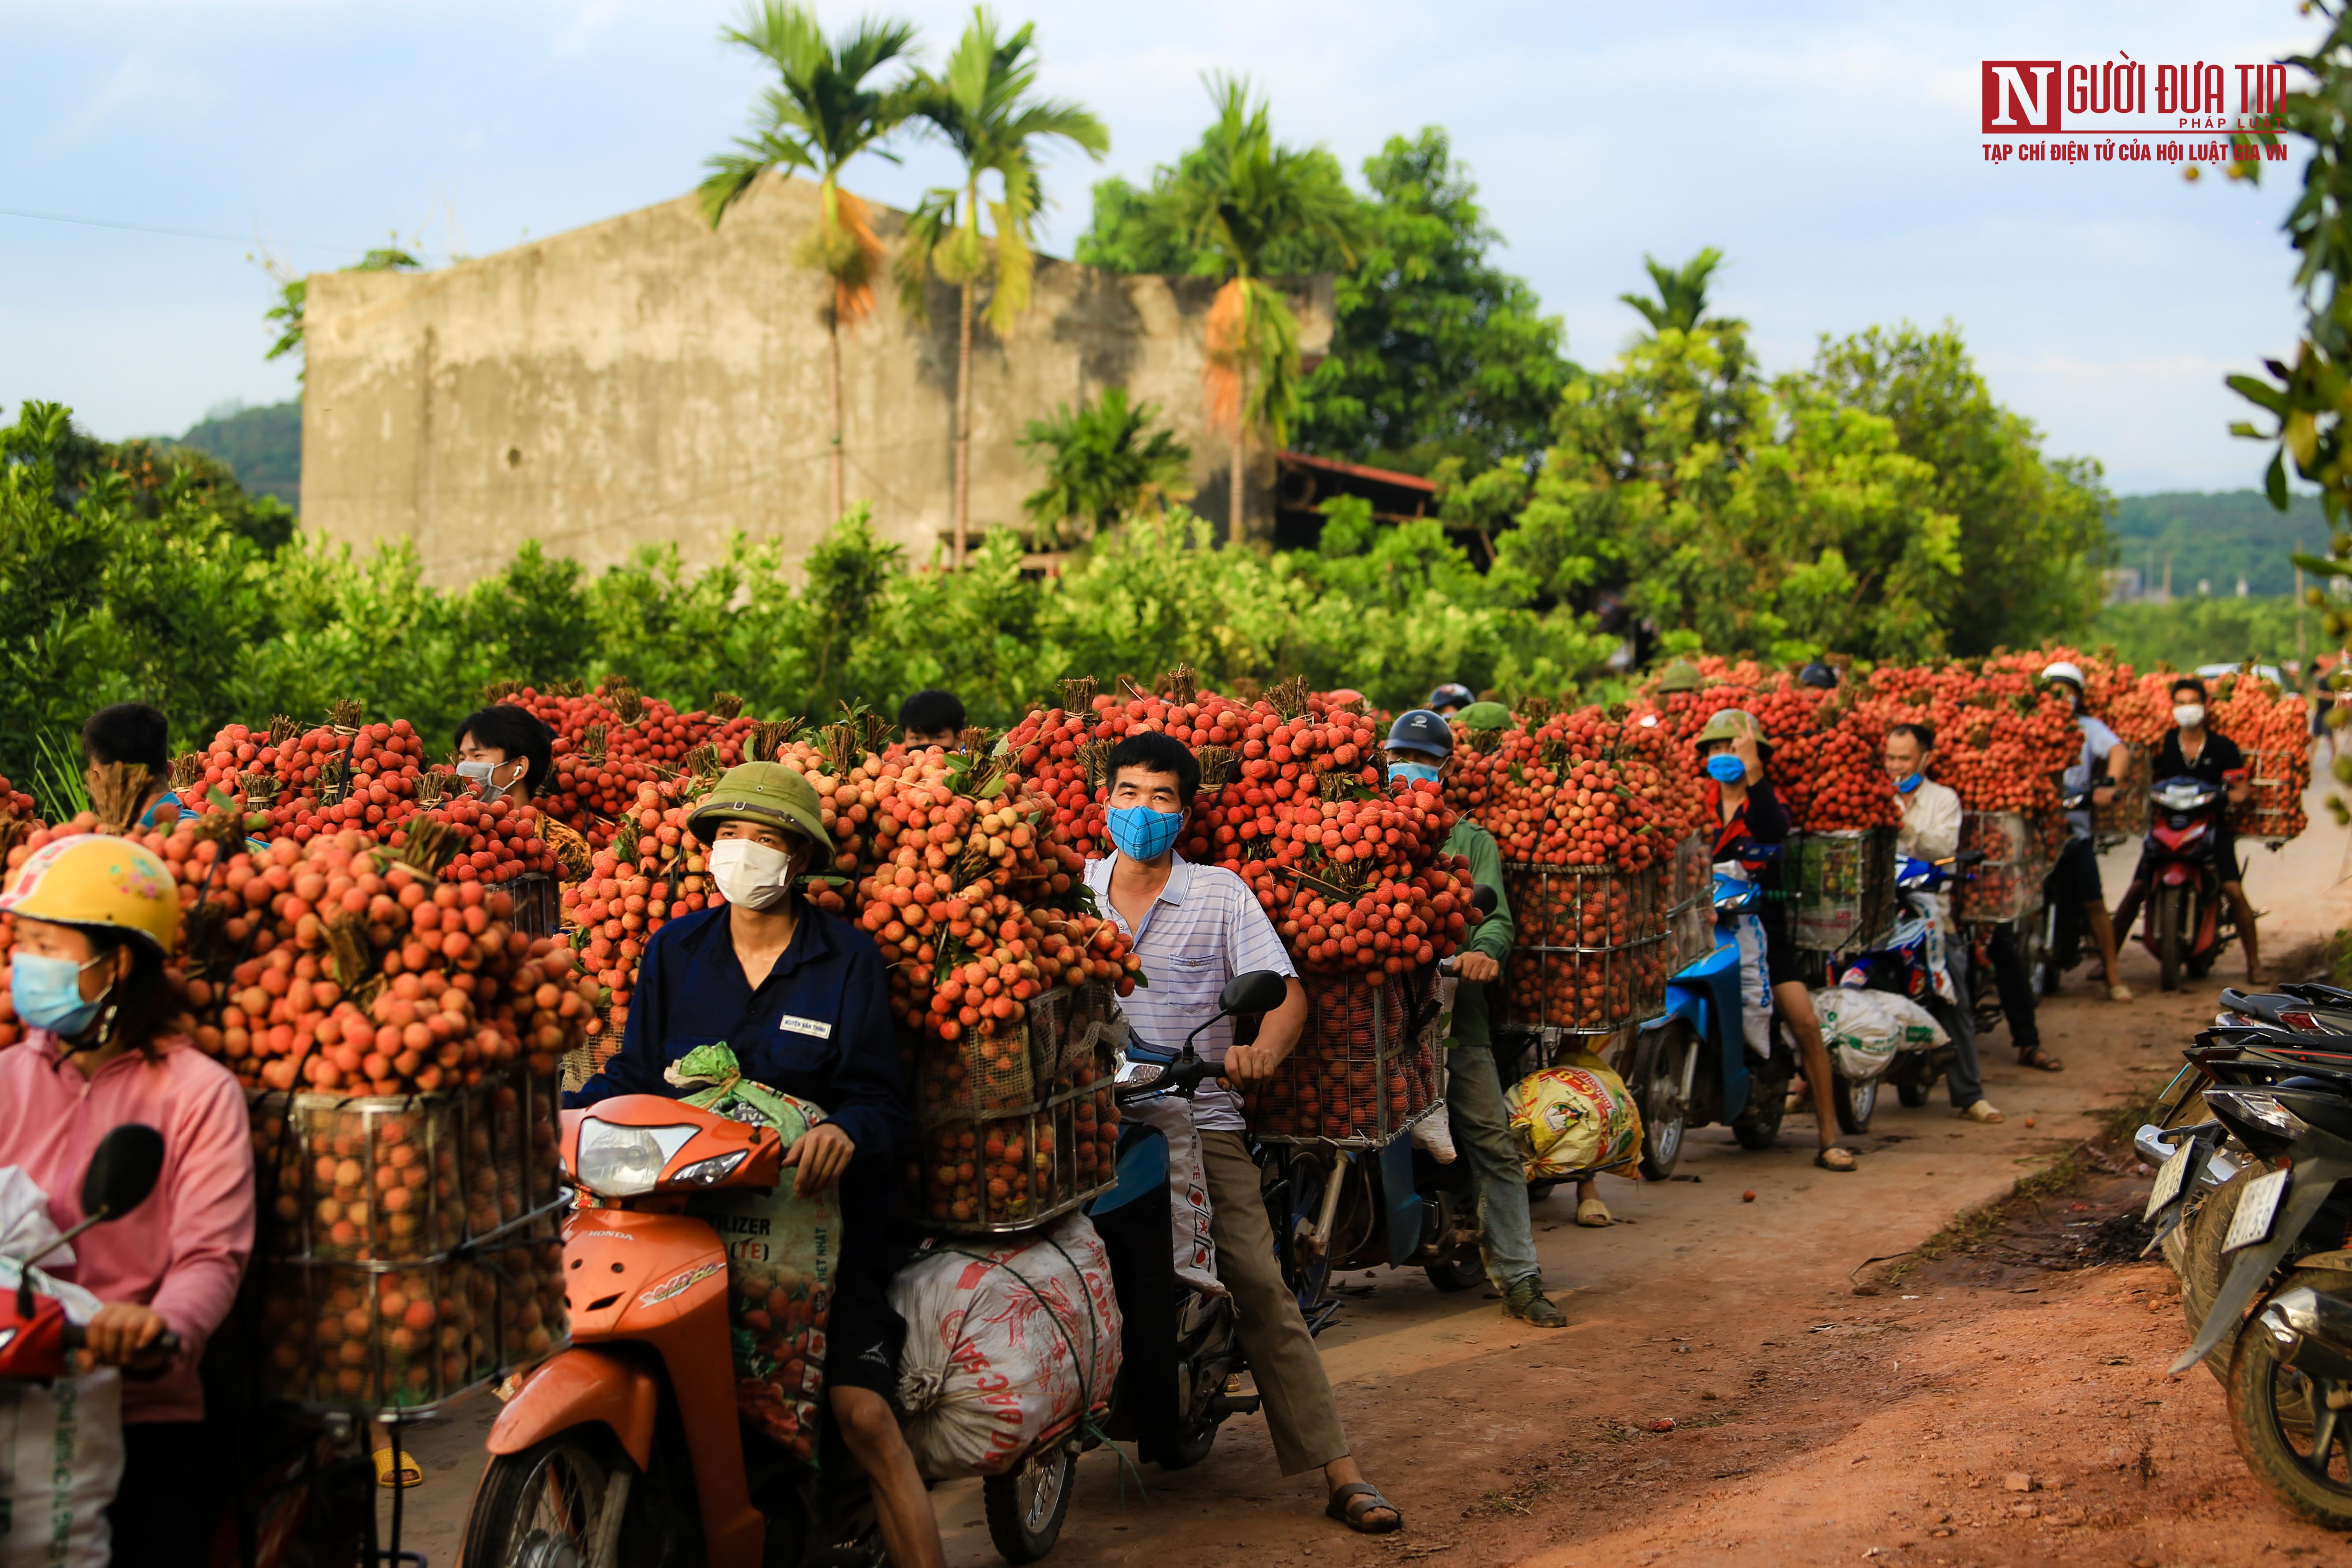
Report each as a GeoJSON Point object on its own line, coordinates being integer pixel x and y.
{"type": "Point", "coordinates": [817, 1027]}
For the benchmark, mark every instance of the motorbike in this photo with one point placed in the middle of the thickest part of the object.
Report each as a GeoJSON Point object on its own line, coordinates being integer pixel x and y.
{"type": "Point", "coordinates": [2308, 1008]}
{"type": "Point", "coordinates": [2280, 1322]}
{"type": "Point", "coordinates": [1398, 1205]}
{"type": "Point", "coordinates": [625, 1446]}
{"type": "Point", "coordinates": [2188, 924]}
{"type": "Point", "coordinates": [37, 1338]}
{"type": "Point", "coordinates": [1691, 1066]}
{"type": "Point", "coordinates": [1906, 967]}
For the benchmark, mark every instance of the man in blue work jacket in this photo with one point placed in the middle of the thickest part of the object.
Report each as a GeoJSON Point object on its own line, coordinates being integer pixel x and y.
{"type": "Point", "coordinates": [801, 998]}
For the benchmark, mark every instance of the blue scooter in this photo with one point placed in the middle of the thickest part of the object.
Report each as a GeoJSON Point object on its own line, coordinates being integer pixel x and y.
{"type": "Point", "coordinates": [1691, 1064]}
{"type": "Point", "coordinates": [1904, 967]}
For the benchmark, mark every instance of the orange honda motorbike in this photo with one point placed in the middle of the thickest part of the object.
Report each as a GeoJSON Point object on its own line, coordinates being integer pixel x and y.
{"type": "Point", "coordinates": [624, 1450]}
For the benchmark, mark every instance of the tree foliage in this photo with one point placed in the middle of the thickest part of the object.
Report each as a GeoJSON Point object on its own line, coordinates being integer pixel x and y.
{"type": "Point", "coordinates": [1103, 461]}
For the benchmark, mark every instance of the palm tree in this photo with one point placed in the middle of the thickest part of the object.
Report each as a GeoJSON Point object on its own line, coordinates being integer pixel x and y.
{"type": "Point", "coordinates": [1681, 303]}
{"type": "Point", "coordinates": [818, 116]}
{"type": "Point", "coordinates": [981, 107]}
{"type": "Point", "coordinates": [1245, 197]}
{"type": "Point", "coordinates": [1101, 462]}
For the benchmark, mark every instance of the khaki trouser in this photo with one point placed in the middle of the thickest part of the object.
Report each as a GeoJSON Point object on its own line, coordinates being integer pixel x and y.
{"type": "Point", "coordinates": [1300, 1413]}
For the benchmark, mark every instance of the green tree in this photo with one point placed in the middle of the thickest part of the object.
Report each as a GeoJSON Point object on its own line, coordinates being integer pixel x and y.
{"type": "Point", "coordinates": [818, 116]}
{"type": "Point", "coordinates": [1102, 461]}
{"type": "Point", "coordinates": [2032, 529]}
{"type": "Point", "coordinates": [1435, 352]}
{"type": "Point", "coordinates": [1239, 207]}
{"type": "Point", "coordinates": [983, 107]}
{"type": "Point", "coordinates": [1681, 304]}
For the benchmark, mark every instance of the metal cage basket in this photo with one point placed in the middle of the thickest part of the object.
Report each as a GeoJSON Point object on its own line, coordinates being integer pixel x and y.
{"type": "Point", "coordinates": [1365, 1069]}
{"type": "Point", "coordinates": [2007, 885]}
{"type": "Point", "coordinates": [1843, 884]}
{"type": "Point", "coordinates": [1593, 953]}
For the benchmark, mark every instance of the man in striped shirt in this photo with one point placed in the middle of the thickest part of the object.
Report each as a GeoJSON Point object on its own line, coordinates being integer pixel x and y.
{"type": "Point", "coordinates": [1196, 927]}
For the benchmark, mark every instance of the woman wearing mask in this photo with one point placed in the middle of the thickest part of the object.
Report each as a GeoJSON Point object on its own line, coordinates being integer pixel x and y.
{"type": "Point", "coordinates": [1743, 808]}
{"type": "Point", "coordinates": [2191, 750]}
{"type": "Point", "coordinates": [504, 750]}
{"type": "Point", "coordinates": [801, 998]}
{"type": "Point", "coordinates": [96, 918]}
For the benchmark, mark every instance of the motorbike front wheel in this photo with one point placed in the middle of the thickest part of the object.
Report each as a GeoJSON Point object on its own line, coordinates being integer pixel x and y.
{"type": "Point", "coordinates": [1026, 1508]}
{"type": "Point", "coordinates": [2169, 938]}
{"type": "Point", "coordinates": [1856, 1102]}
{"type": "Point", "coordinates": [2292, 1439]}
{"type": "Point", "coordinates": [1669, 1060]}
{"type": "Point", "coordinates": [547, 1507]}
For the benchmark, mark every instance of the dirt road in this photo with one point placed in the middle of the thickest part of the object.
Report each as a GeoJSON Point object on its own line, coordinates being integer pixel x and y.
{"type": "Point", "coordinates": [1811, 1425]}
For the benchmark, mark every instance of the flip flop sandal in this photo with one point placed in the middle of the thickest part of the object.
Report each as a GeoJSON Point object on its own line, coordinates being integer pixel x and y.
{"type": "Point", "coordinates": [1851, 1165]}
{"type": "Point", "coordinates": [1351, 1502]}
{"type": "Point", "coordinates": [1594, 1213]}
{"type": "Point", "coordinates": [395, 1469]}
{"type": "Point", "coordinates": [2040, 1060]}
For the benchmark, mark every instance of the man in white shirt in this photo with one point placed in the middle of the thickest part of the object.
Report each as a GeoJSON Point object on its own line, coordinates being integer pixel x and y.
{"type": "Point", "coordinates": [1196, 927]}
{"type": "Point", "coordinates": [1931, 831]}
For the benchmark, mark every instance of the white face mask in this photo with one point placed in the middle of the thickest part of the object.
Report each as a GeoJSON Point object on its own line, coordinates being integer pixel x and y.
{"type": "Point", "coordinates": [751, 874]}
{"type": "Point", "coordinates": [486, 775]}
{"type": "Point", "coordinates": [2188, 715]}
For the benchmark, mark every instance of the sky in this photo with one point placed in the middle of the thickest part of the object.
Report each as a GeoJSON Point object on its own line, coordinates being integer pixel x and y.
{"type": "Point", "coordinates": [1831, 150]}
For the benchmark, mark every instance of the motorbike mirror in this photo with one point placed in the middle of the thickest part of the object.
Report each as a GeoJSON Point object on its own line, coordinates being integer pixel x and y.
{"type": "Point", "coordinates": [122, 1173]}
{"type": "Point", "coordinates": [1259, 991]}
{"type": "Point", "coordinates": [1482, 900]}
{"type": "Point", "coordinates": [1969, 857]}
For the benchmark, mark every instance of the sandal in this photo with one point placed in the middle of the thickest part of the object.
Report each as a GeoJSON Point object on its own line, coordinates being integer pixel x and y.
{"type": "Point", "coordinates": [395, 1469]}
{"type": "Point", "coordinates": [1826, 1163]}
{"type": "Point", "coordinates": [2040, 1061]}
{"type": "Point", "coordinates": [1351, 1502]}
{"type": "Point", "coordinates": [1594, 1213]}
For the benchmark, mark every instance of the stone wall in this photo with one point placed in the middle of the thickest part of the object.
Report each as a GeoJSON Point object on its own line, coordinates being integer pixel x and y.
{"type": "Point", "coordinates": [647, 380]}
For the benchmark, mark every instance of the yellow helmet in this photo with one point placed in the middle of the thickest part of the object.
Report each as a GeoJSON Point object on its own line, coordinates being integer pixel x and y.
{"type": "Point", "coordinates": [97, 881]}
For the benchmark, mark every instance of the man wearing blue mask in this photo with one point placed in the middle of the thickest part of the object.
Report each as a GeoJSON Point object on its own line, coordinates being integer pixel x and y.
{"type": "Point", "coordinates": [1931, 831]}
{"type": "Point", "coordinates": [1194, 928]}
{"type": "Point", "coordinates": [1420, 749]}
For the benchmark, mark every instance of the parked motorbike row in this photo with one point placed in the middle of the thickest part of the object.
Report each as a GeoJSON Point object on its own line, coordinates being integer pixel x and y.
{"type": "Point", "coordinates": [2251, 1205]}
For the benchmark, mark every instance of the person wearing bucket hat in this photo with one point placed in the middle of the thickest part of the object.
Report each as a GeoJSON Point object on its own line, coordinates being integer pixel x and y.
{"type": "Point", "coordinates": [1680, 675]}
{"type": "Point", "coordinates": [1480, 717]}
{"type": "Point", "coordinates": [96, 918]}
{"type": "Point", "coordinates": [802, 999]}
{"type": "Point", "coordinates": [1741, 805]}
{"type": "Point", "coordinates": [1420, 750]}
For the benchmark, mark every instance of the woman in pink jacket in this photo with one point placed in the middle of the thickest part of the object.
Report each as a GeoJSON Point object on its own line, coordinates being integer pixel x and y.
{"type": "Point", "coordinates": [96, 917]}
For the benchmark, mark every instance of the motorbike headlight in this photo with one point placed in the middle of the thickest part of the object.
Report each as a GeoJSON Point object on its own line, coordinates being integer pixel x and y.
{"type": "Point", "coordinates": [617, 1161]}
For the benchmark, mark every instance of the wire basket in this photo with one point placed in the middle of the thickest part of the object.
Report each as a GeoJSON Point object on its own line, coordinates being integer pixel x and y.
{"type": "Point", "coordinates": [1018, 1126]}
{"type": "Point", "coordinates": [405, 1339]}
{"type": "Point", "coordinates": [406, 1178]}
{"type": "Point", "coordinates": [2273, 809]}
{"type": "Point", "coordinates": [1365, 1069]}
{"type": "Point", "coordinates": [1844, 889]}
{"type": "Point", "coordinates": [2007, 885]}
{"type": "Point", "coordinates": [1592, 952]}
{"type": "Point", "coordinates": [2125, 816]}
{"type": "Point", "coordinates": [538, 903]}
{"type": "Point", "coordinates": [1690, 916]}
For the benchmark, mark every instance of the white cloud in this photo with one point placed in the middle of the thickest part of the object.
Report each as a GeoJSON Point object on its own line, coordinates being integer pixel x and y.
{"type": "Point", "coordinates": [139, 86]}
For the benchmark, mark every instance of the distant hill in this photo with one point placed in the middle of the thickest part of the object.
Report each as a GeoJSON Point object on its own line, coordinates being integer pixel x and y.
{"type": "Point", "coordinates": [2216, 539]}
{"type": "Point", "coordinates": [262, 446]}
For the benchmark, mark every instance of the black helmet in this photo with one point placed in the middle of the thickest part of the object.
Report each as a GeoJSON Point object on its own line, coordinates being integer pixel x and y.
{"type": "Point", "coordinates": [1419, 730]}
{"type": "Point", "coordinates": [1817, 674]}
{"type": "Point", "coordinates": [1453, 694]}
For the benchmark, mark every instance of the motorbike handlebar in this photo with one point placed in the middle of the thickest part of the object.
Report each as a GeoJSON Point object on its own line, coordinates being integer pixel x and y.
{"type": "Point", "coordinates": [1182, 1076]}
{"type": "Point", "coordinates": [166, 1344]}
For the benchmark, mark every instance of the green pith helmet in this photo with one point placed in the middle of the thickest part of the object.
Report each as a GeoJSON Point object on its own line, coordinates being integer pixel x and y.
{"type": "Point", "coordinates": [767, 793]}
{"type": "Point", "coordinates": [1680, 675]}
{"type": "Point", "coordinates": [1731, 724]}
{"type": "Point", "coordinates": [1484, 716]}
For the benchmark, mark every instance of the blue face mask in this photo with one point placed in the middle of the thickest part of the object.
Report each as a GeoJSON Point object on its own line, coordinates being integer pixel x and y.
{"type": "Point", "coordinates": [1144, 833]}
{"type": "Point", "coordinates": [1724, 767]}
{"type": "Point", "coordinates": [47, 992]}
{"type": "Point", "coordinates": [1906, 785]}
{"type": "Point", "coordinates": [1418, 772]}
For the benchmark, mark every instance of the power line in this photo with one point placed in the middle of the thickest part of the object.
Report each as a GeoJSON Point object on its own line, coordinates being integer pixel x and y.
{"type": "Point", "coordinates": [178, 233]}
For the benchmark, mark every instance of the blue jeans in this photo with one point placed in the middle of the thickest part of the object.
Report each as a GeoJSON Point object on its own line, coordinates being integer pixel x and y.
{"type": "Point", "coordinates": [1482, 1132]}
{"type": "Point", "coordinates": [1962, 1079]}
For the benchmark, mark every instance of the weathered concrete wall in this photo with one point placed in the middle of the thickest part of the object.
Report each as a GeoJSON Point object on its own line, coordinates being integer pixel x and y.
{"type": "Point", "coordinates": [646, 381]}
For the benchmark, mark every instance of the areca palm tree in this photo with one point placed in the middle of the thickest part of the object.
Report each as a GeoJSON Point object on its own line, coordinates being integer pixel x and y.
{"type": "Point", "coordinates": [1681, 303]}
{"type": "Point", "coordinates": [1246, 196]}
{"type": "Point", "coordinates": [818, 116]}
{"type": "Point", "coordinates": [981, 105]}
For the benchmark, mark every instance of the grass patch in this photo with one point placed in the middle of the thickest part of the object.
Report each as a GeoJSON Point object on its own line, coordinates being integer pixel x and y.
{"type": "Point", "coordinates": [1971, 1229]}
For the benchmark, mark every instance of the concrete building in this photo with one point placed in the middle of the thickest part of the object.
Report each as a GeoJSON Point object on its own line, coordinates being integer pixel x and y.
{"type": "Point", "coordinates": [647, 380]}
